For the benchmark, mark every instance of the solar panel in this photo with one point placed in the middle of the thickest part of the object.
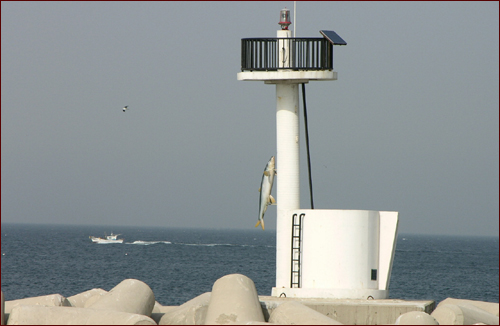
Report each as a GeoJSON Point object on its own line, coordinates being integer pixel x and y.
{"type": "Point", "coordinates": [333, 37]}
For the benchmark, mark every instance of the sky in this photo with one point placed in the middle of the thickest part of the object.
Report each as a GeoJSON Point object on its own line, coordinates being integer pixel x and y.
{"type": "Point", "coordinates": [411, 125]}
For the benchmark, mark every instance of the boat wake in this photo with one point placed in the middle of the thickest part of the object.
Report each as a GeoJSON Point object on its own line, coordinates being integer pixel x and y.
{"type": "Point", "coordinates": [221, 245]}
{"type": "Point", "coordinates": [146, 243]}
{"type": "Point", "coordinates": [209, 244]}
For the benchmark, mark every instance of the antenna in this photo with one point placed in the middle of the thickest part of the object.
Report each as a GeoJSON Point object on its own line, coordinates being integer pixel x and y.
{"type": "Point", "coordinates": [294, 19]}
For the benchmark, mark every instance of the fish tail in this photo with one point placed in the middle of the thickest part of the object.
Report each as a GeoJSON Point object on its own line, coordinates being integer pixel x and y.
{"type": "Point", "coordinates": [261, 222]}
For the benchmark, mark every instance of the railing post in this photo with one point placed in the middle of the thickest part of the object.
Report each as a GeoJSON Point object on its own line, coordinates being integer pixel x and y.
{"type": "Point", "coordinates": [243, 66]}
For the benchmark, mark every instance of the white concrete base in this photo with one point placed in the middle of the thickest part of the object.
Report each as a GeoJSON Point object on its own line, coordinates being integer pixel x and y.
{"type": "Point", "coordinates": [364, 294]}
{"type": "Point", "coordinates": [342, 253]}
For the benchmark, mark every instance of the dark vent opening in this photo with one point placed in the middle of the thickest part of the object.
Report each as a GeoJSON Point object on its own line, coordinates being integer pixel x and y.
{"type": "Point", "coordinates": [374, 274]}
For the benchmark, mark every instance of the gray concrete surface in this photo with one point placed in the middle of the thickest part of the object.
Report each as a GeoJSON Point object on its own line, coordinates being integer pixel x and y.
{"type": "Point", "coordinates": [354, 312]}
{"type": "Point", "coordinates": [295, 313]}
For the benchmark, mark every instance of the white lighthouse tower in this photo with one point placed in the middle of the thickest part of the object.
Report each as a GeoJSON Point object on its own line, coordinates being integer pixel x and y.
{"type": "Point", "coordinates": [320, 253]}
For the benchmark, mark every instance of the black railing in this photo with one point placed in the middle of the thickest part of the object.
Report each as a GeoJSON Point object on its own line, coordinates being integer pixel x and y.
{"type": "Point", "coordinates": [305, 54]}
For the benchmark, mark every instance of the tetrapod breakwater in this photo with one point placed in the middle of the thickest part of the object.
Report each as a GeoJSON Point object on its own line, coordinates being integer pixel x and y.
{"type": "Point", "coordinates": [232, 301]}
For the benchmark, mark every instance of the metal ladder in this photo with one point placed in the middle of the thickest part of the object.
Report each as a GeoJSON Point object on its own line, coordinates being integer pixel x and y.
{"type": "Point", "coordinates": [295, 276]}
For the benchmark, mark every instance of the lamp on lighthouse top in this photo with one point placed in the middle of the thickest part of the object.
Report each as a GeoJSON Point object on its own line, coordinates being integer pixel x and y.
{"type": "Point", "coordinates": [284, 18]}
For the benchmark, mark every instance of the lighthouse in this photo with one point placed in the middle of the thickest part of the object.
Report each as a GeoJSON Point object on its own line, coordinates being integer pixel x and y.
{"type": "Point", "coordinates": [320, 253]}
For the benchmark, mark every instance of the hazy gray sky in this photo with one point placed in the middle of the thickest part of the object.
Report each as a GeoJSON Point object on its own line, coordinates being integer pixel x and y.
{"type": "Point", "coordinates": [411, 124]}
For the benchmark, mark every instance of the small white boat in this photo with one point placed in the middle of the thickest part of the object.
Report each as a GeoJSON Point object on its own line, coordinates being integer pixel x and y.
{"type": "Point", "coordinates": [109, 239]}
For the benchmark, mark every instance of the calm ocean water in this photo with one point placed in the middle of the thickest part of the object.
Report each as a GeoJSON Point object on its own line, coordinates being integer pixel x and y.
{"type": "Point", "coordinates": [180, 264]}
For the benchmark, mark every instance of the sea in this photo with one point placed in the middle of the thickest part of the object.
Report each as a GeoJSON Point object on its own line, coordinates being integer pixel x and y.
{"type": "Point", "coordinates": [180, 264]}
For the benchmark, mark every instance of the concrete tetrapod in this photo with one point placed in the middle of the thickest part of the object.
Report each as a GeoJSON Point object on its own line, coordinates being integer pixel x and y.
{"type": "Point", "coordinates": [491, 307]}
{"type": "Point", "coordinates": [234, 300]}
{"type": "Point", "coordinates": [294, 313]}
{"type": "Point", "coordinates": [132, 296]}
{"type": "Point", "coordinates": [43, 315]}
{"type": "Point", "coordinates": [192, 312]}
{"type": "Point", "coordinates": [3, 310]}
{"type": "Point", "coordinates": [451, 314]}
{"type": "Point", "coordinates": [79, 300]}
{"type": "Point", "coordinates": [416, 318]}
{"type": "Point", "coordinates": [159, 311]}
{"type": "Point", "coordinates": [93, 299]}
{"type": "Point", "coordinates": [56, 300]}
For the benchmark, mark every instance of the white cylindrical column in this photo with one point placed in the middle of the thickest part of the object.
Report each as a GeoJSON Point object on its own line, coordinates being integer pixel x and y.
{"type": "Point", "coordinates": [287, 179]}
{"type": "Point", "coordinates": [284, 46]}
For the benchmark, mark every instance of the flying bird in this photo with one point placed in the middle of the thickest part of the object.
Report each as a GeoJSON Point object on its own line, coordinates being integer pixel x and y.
{"type": "Point", "coordinates": [125, 108]}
